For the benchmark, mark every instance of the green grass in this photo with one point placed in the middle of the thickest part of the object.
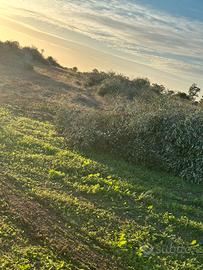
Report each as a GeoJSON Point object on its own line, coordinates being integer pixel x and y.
{"type": "Point", "coordinates": [65, 210]}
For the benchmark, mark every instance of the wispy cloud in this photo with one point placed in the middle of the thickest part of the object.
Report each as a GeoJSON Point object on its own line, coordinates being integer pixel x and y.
{"type": "Point", "coordinates": [151, 37]}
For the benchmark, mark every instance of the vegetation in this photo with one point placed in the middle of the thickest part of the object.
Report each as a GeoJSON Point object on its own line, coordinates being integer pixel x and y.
{"type": "Point", "coordinates": [112, 84]}
{"type": "Point", "coordinates": [194, 91]}
{"type": "Point", "coordinates": [64, 210]}
{"type": "Point", "coordinates": [161, 133]}
{"type": "Point", "coordinates": [117, 84]}
{"type": "Point", "coordinates": [84, 184]}
{"type": "Point", "coordinates": [27, 54]}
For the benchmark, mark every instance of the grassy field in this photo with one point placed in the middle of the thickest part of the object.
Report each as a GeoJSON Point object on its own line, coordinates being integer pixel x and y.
{"type": "Point", "coordinates": [65, 210]}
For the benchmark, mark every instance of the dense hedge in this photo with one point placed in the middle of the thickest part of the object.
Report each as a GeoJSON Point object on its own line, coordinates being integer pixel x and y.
{"type": "Point", "coordinates": [161, 133]}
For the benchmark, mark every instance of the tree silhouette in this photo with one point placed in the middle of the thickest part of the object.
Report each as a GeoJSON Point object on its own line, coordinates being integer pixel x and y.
{"type": "Point", "coordinates": [193, 91]}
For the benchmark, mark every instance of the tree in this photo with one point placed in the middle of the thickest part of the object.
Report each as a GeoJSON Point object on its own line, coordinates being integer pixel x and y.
{"type": "Point", "coordinates": [194, 91]}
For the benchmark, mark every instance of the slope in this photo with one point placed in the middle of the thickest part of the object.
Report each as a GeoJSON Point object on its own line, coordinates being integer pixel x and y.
{"type": "Point", "coordinates": [65, 210]}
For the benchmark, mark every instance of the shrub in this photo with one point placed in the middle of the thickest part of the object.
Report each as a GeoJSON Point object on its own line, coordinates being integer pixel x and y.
{"type": "Point", "coordinates": [163, 133]}
{"type": "Point", "coordinates": [182, 144]}
{"type": "Point", "coordinates": [123, 86]}
{"type": "Point", "coordinates": [52, 61]}
{"type": "Point", "coordinates": [14, 45]}
{"type": "Point", "coordinates": [158, 89]}
{"type": "Point", "coordinates": [75, 69]}
{"type": "Point", "coordinates": [117, 84]}
{"type": "Point", "coordinates": [141, 83]}
{"type": "Point", "coordinates": [34, 54]}
{"type": "Point", "coordinates": [182, 96]}
{"type": "Point", "coordinates": [95, 77]}
{"type": "Point", "coordinates": [112, 86]}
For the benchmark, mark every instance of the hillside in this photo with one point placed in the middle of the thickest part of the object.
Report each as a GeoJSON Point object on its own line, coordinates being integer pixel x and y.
{"type": "Point", "coordinates": [29, 83]}
{"type": "Point", "coordinates": [63, 210]}
{"type": "Point", "coordinates": [85, 209]}
{"type": "Point", "coordinates": [28, 77]}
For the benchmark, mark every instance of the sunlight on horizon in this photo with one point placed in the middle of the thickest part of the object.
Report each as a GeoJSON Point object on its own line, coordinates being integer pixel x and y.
{"type": "Point", "coordinates": [101, 41]}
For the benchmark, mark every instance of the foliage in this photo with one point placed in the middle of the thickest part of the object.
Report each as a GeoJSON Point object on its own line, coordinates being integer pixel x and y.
{"type": "Point", "coordinates": [28, 54]}
{"type": "Point", "coordinates": [95, 77]}
{"type": "Point", "coordinates": [75, 69]}
{"type": "Point", "coordinates": [112, 84]}
{"type": "Point", "coordinates": [97, 212]}
{"type": "Point", "coordinates": [121, 85]}
{"type": "Point", "coordinates": [52, 61]}
{"type": "Point", "coordinates": [62, 209]}
{"type": "Point", "coordinates": [194, 91]}
{"type": "Point", "coordinates": [159, 89]}
{"type": "Point", "coordinates": [182, 96]}
{"type": "Point", "coordinates": [33, 54]}
{"type": "Point", "coordinates": [117, 84]}
{"type": "Point", "coordinates": [162, 133]}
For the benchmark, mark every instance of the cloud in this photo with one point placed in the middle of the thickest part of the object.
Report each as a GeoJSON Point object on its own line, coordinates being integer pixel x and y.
{"type": "Point", "coordinates": [157, 39]}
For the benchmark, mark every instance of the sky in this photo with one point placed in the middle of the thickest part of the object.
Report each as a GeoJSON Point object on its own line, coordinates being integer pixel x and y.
{"type": "Point", "coordinates": [161, 40]}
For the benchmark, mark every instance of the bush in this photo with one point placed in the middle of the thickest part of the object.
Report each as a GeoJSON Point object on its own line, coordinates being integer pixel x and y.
{"type": "Point", "coordinates": [95, 77]}
{"type": "Point", "coordinates": [34, 54]}
{"type": "Point", "coordinates": [162, 133]}
{"type": "Point", "coordinates": [53, 62]}
{"type": "Point", "coordinates": [118, 84]}
{"type": "Point", "coordinates": [182, 144]}
{"type": "Point", "coordinates": [75, 69]}
{"type": "Point", "coordinates": [14, 45]}
{"type": "Point", "coordinates": [112, 86]}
